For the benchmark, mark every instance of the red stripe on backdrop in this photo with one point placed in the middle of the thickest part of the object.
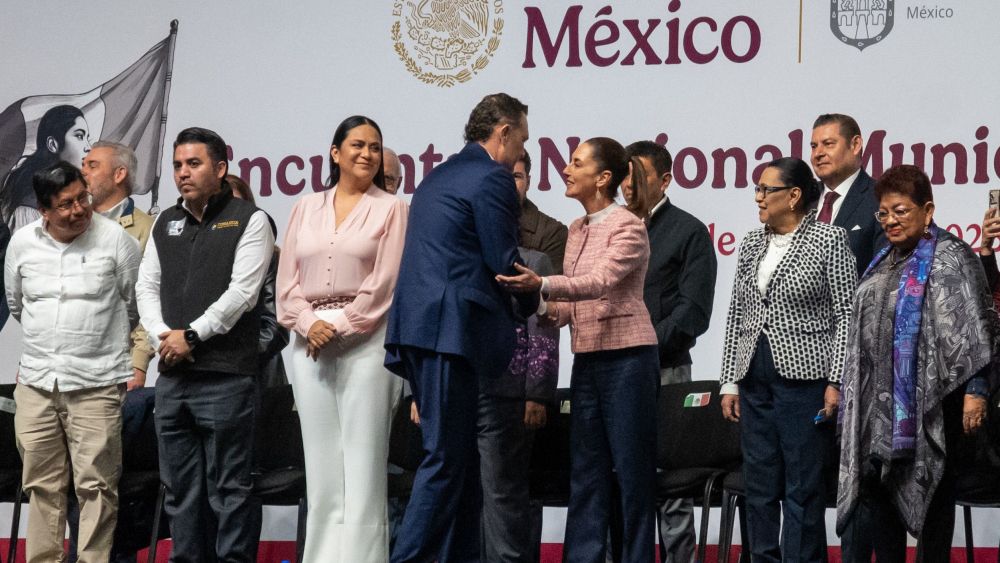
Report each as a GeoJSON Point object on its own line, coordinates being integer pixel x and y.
{"type": "Point", "coordinates": [281, 551]}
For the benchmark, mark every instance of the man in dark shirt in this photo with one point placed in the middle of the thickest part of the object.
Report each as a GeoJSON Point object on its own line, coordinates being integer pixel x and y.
{"type": "Point", "coordinates": [538, 231]}
{"type": "Point", "coordinates": [679, 291]}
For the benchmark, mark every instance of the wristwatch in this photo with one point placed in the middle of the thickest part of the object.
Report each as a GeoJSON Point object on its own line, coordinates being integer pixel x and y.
{"type": "Point", "coordinates": [191, 337]}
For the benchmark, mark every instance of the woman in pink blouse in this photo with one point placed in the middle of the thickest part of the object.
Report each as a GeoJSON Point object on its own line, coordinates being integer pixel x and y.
{"type": "Point", "coordinates": [616, 365]}
{"type": "Point", "coordinates": [336, 279]}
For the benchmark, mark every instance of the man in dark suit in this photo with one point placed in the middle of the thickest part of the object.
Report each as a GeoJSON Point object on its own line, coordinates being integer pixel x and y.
{"type": "Point", "coordinates": [849, 192]}
{"type": "Point", "coordinates": [450, 323]}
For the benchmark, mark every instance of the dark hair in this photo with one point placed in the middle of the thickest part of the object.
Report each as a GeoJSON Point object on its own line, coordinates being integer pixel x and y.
{"type": "Point", "coordinates": [53, 179]}
{"type": "Point", "coordinates": [239, 186]}
{"type": "Point", "coordinates": [493, 110]}
{"type": "Point", "coordinates": [657, 154]}
{"type": "Point", "coordinates": [17, 186]}
{"type": "Point", "coordinates": [340, 134]}
{"type": "Point", "coordinates": [609, 155]}
{"type": "Point", "coordinates": [214, 144]}
{"type": "Point", "coordinates": [527, 163]}
{"type": "Point", "coordinates": [848, 126]}
{"type": "Point", "coordinates": [795, 172]}
{"type": "Point", "coordinates": [907, 180]}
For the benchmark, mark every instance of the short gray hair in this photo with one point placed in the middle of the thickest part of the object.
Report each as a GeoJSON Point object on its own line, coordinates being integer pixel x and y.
{"type": "Point", "coordinates": [124, 156]}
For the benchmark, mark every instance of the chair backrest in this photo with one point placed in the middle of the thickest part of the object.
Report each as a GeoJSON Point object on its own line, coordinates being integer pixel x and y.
{"type": "Point", "coordinates": [690, 430]}
{"type": "Point", "coordinates": [139, 445]}
{"type": "Point", "coordinates": [406, 443]}
{"type": "Point", "coordinates": [550, 451]}
{"type": "Point", "coordinates": [278, 433]}
{"type": "Point", "coordinates": [10, 458]}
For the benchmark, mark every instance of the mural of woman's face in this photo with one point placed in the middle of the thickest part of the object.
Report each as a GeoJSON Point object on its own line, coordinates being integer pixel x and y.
{"type": "Point", "coordinates": [76, 143]}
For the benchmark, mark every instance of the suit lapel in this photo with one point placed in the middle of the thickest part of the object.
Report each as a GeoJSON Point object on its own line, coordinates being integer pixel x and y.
{"type": "Point", "coordinates": [787, 261]}
{"type": "Point", "coordinates": [855, 197]}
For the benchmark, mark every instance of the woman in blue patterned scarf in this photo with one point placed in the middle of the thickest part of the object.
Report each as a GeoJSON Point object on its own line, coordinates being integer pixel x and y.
{"type": "Point", "coordinates": [916, 377]}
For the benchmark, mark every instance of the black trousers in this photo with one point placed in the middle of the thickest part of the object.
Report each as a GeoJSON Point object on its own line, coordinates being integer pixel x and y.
{"type": "Point", "coordinates": [783, 458]}
{"type": "Point", "coordinates": [204, 425]}
{"type": "Point", "coordinates": [511, 524]}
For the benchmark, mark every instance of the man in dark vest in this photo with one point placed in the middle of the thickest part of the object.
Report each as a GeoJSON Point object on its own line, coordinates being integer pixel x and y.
{"type": "Point", "coordinates": [198, 284]}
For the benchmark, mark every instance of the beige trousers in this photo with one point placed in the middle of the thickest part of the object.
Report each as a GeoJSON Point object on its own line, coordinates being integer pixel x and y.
{"type": "Point", "coordinates": [55, 429]}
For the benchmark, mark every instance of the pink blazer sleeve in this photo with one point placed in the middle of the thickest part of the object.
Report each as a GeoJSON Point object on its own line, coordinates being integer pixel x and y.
{"type": "Point", "coordinates": [294, 311]}
{"type": "Point", "coordinates": [626, 251]}
{"type": "Point", "coordinates": [374, 297]}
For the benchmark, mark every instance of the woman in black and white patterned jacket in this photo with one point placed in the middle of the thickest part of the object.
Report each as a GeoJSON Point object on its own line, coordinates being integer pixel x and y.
{"type": "Point", "coordinates": [786, 334]}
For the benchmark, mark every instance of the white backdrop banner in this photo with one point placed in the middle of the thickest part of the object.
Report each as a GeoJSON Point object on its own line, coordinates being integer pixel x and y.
{"type": "Point", "coordinates": [726, 85]}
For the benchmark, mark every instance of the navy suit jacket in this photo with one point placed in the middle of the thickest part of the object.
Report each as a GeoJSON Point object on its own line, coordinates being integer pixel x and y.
{"type": "Point", "coordinates": [462, 231]}
{"type": "Point", "coordinates": [857, 216]}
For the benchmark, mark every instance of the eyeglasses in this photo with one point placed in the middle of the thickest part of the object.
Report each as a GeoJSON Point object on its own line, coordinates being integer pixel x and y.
{"type": "Point", "coordinates": [883, 216]}
{"type": "Point", "coordinates": [84, 201]}
{"type": "Point", "coordinates": [767, 190]}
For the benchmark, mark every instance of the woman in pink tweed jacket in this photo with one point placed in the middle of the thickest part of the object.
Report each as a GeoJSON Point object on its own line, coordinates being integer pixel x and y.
{"type": "Point", "coordinates": [616, 366]}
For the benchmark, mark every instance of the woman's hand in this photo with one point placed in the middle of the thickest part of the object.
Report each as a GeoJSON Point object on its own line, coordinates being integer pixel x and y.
{"type": "Point", "coordinates": [731, 407]}
{"type": "Point", "coordinates": [991, 230]}
{"type": "Point", "coordinates": [320, 334]}
{"type": "Point", "coordinates": [527, 282]}
{"type": "Point", "coordinates": [973, 413]}
{"type": "Point", "coordinates": [831, 400]}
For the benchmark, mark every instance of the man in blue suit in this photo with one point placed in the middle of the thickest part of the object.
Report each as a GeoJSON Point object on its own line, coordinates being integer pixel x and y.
{"type": "Point", "coordinates": [848, 191]}
{"type": "Point", "coordinates": [450, 323]}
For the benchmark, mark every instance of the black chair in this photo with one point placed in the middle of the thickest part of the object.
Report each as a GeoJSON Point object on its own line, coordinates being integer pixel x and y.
{"type": "Point", "coordinates": [279, 474]}
{"type": "Point", "coordinates": [696, 447]}
{"type": "Point", "coordinates": [10, 465]}
{"type": "Point", "coordinates": [140, 486]}
{"type": "Point", "coordinates": [406, 451]}
{"type": "Point", "coordinates": [977, 484]}
{"type": "Point", "coordinates": [549, 467]}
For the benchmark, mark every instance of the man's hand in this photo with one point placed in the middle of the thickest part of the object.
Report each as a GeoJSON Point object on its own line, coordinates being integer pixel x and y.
{"type": "Point", "coordinates": [973, 413]}
{"type": "Point", "coordinates": [414, 415]}
{"type": "Point", "coordinates": [731, 407]}
{"type": "Point", "coordinates": [526, 282]}
{"type": "Point", "coordinates": [320, 334]}
{"type": "Point", "coordinates": [174, 348]}
{"type": "Point", "coordinates": [831, 400]}
{"type": "Point", "coordinates": [138, 380]}
{"type": "Point", "coordinates": [534, 415]}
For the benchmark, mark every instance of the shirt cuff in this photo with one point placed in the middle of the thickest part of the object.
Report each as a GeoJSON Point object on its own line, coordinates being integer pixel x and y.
{"type": "Point", "coordinates": [977, 386]}
{"type": "Point", "coordinates": [729, 389]}
{"type": "Point", "coordinates": [545, 288]}
{"type": "Point", "coordinates": [542, 308]}
{"type": "Point", "coordinates": [306, 319]}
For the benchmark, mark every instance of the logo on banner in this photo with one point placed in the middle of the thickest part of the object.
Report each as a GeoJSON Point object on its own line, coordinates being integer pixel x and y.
{"type": "Point", "coordinates": [446, 42]}
{"type": "Point", "coordinates": [861, 23]}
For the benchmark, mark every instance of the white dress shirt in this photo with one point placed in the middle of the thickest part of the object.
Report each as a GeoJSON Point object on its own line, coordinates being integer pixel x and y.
{"type": "Point", "coordinates": [76, 304]}
{"type": "Point", "coordinates": [253, 255]}
{"type": "Point", "coordinates": [841, 190]}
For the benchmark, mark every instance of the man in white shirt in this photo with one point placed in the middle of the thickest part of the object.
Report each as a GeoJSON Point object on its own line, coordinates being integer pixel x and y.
{"type": "Point", "coordinates": [200, 278]}
{"type": "Point", "coordinates": [70, 281]}
{"type": "Point", "coordinates": [848, 199]}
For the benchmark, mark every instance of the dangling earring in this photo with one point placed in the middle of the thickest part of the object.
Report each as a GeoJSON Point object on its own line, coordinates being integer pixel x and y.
{"type": "Point", "coordinates": [927, 231]}
{"type": "Point", "coordinates": [791, 207]}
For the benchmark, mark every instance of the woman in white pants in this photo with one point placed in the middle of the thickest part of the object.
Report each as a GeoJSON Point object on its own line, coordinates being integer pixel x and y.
{"type": "Point", "coordinates": [336, 279]}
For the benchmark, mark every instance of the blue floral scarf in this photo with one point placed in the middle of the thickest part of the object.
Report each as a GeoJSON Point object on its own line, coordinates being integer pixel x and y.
{"type": "Point", "coordinates": [906, 333]}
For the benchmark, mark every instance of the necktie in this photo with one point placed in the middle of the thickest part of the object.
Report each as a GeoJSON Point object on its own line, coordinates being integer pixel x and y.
{"type": "Point", "coordinates": [826, 213]}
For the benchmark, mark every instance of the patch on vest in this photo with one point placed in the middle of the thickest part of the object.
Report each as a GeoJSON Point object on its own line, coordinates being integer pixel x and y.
{"type": "Point", "coordinates": [175, 228]}
{"type": "Point", "coordinates": [225, 225]}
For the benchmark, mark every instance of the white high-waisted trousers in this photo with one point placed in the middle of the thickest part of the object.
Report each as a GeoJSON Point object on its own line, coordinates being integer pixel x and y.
{"type": "Point", "coordinates": [346, 401]}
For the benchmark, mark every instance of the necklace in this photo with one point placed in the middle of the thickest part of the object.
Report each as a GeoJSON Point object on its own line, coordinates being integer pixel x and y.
{"type": "Point", "coordinates": [781, 241]}
{"type": "Point", "coordinates": [904, 258]}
